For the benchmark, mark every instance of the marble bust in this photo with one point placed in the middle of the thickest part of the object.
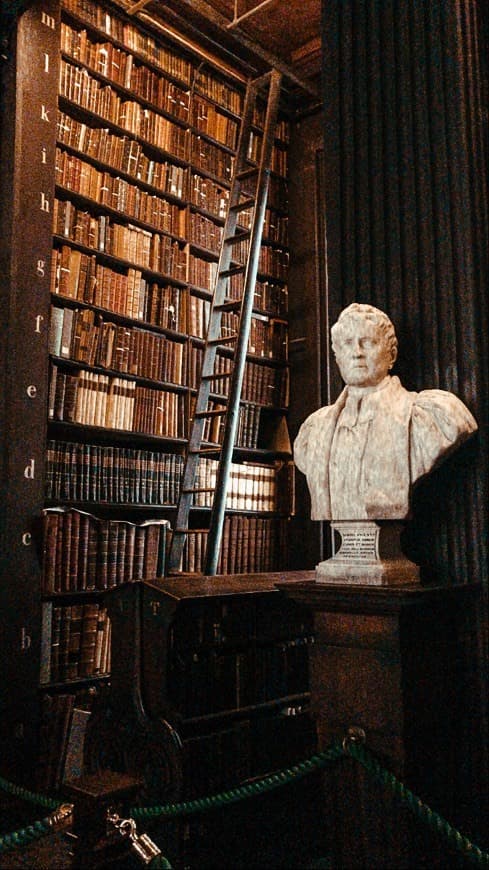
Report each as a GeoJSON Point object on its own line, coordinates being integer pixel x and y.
{"type": "Point", "coordinates": [363, 454]}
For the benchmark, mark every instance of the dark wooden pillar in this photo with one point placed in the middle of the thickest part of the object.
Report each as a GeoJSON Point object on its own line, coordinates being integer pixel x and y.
{"type": "Point", "coordinates": [405, 96]}
{"type": "Point", "coordinates": [391, 662]}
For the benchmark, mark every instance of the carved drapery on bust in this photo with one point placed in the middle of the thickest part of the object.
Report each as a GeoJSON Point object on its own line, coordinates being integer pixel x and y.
{"type": "Point", "coordinates": [363, 454]}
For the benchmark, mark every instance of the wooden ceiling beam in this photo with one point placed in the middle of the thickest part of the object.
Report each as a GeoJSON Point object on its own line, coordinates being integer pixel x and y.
{"type": "Point", "coordinates": [216, 19]}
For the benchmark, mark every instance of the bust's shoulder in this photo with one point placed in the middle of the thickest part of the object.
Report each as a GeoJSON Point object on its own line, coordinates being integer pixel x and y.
{"type": "Point", "coordinates": [445, 409]}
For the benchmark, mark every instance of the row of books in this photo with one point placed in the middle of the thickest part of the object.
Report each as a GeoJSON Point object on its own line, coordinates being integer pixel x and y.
{"type": "Point", "coordinates": [83, 552]}
{"type": "Point", "coordinates": [76, 642]}
{"type": "Point", "coordinates": [208, 195]}
{"type": "Point", "coordinates": [139, 41]}
{"type": "Point", "coordinates": [113, 475]}
{"type": "Point", "coordinates": [84, 336]}
{"type": "Point", "coordinates": [278, 161]}
{"type": "Point", "coordinates": [267, 338]}
{"type": "Point", "coordinates": [121, 153]}
{"type": "Point", "coordinates": [76, 275]}
{"type": "Point", "coordinates": [251, 487]}
{"type": "Point", "coordinates": [108, 60]}
{"type": "Point", "coordinates": [262, 384]}
{"type": "Point", "coordinates": [117, 193]}
{"type": "Point", "coordinates": [211, 158]}
{"type": "Point", "coordinates": [143, 248]}
{"type": "Point", "coordinates": [63, 721]}
{"type": "Point", "coordinates": [93, 399]}
{"type": "Point", "coordinates": [111, 62]}
{"type": "Point", "coordinates": [127, 155]}
{"type": "Point", "coordinates": [79, 87]}
{"type": "Point", "coordinates": [124, 475]}
{"type": "Point", "coordinates": [204, 81]}
{"type": "Point", "coordinates": [222, 622]}
{"type": "Point", "coordinates": [248, 428]}
{"type": "Point", "coordinates": [216, 89]}
{"type": "Point", "coordinates": [207, 119]}
{"type": "Point", "coordinates": [208, 681]}
{"type": "Point", "coordinates": [269, 296]}
{"type": "Point", "coordinates": [249, 544]}
{"type": "Point", "coordinates": [204, 232]}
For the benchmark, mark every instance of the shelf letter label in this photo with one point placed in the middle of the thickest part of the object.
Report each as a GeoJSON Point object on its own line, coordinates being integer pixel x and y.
{"type": "Point", "coordinates": [27, 539]}
{"type": "Point", "coordinates": [44, 155]}
{"type": "Point", "coordinates": [48, 20]}
{"type": "Point", "coordinates": [45, 114]}
{"type": "Point", "coordinates": [26, 640]}
{"type": "Point", "coordinates": [46, 62]}
{"type": "Point", "coordinates": [31, 391]}
{"type": "Point", "coordinates": [40, 268]}
{"type": "Point", "coordinates": [44, 202]}
{"type": "Point", "coordinates": [29, 470]}
{"type": "Point", "coordinates": [39, 319]}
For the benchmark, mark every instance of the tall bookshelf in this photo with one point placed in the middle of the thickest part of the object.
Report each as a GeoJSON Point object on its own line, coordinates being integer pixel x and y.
{"type": "Point", "coordinates": [121, 169]}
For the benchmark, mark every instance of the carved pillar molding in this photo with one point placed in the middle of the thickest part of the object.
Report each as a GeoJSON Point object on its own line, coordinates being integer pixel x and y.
{"type": "Point", "coordinates": [405, 86]}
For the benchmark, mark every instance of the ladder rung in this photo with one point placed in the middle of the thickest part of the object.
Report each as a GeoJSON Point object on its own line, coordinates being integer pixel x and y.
{"type": "Point", "coordinates": [218, 376]}
{"type": "Point", "coordinates": [247, 173]}
{"type": "Point", "coordinates": [202, 451]}
{"type": "Point", "coordinates": [234, 270]}
{"type": "Point", "coordinates": [225, 339]}
{"type": "Point", "coordinates": [238, 237]}
{"type": "Point", "coordinates": [243, 206]}
{"type": "Point", "coordinates": [199, 489]}
{"type": "Point", "coordinates": [231, 305]}
{"type": "Point", "coordinates": [214, 412]}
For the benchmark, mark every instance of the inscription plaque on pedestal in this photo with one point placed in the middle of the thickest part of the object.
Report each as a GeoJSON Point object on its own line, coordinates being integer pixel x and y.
{"type": "Point", "coordinates": [370, 555]}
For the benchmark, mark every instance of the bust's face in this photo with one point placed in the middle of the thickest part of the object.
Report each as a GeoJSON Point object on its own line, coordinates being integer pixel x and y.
{"type": "Point", "coordinates": [362, 353]}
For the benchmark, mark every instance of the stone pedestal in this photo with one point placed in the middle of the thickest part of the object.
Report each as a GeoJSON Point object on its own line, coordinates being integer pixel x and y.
{"type": "Point", "coordinates": [394, 662]}
{"type": "Point", "coordinates": [370, 555]}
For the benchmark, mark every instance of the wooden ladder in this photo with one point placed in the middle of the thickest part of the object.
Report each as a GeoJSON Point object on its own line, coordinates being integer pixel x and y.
{"type": "Point", "coordinates": [249, 190]}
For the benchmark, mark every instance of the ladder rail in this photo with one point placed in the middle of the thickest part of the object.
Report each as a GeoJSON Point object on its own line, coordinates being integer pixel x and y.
{"type": "Point", "coordinates": [213, 338]}
{"type": "Point", "coordinates": [224, 468]}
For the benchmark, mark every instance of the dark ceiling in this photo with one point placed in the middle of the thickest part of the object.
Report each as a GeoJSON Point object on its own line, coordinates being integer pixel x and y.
{"type": "Point", "coordinates": [263, 33]}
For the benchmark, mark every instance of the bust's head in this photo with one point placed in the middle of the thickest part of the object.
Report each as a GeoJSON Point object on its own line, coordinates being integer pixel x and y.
{"type": "Point", "coordinates": [364, 344]}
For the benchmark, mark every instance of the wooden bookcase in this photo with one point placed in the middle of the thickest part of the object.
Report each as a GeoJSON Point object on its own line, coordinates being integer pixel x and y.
{"type": "Point", "coordinates": [121, 165]}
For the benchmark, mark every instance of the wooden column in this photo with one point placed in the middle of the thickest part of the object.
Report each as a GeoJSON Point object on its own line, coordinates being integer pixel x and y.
{"type": "Point", "coordinates": [392, 662]}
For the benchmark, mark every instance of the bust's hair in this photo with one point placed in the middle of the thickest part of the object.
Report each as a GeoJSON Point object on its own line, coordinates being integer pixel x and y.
{"type": "Point", "coordinates": [366, 312]}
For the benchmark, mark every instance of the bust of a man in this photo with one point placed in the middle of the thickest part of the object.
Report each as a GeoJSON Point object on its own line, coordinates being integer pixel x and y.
{"type": "Point", "coordinates": [363, 454]}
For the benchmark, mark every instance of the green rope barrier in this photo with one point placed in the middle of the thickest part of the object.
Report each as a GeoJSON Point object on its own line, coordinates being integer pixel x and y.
{"type": "Point", "coordinates": [25, 794]}
{"type": "Point", "coordinates": [160, 863]}
{"type": "Point", "coordinates": [252, 789]}
{"type": "Point", "coordinates": [417, 806]}
{"type": "Point", "coordinates": [26, 835]}
{"type": "Point", "coordinates": [352, 745]}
